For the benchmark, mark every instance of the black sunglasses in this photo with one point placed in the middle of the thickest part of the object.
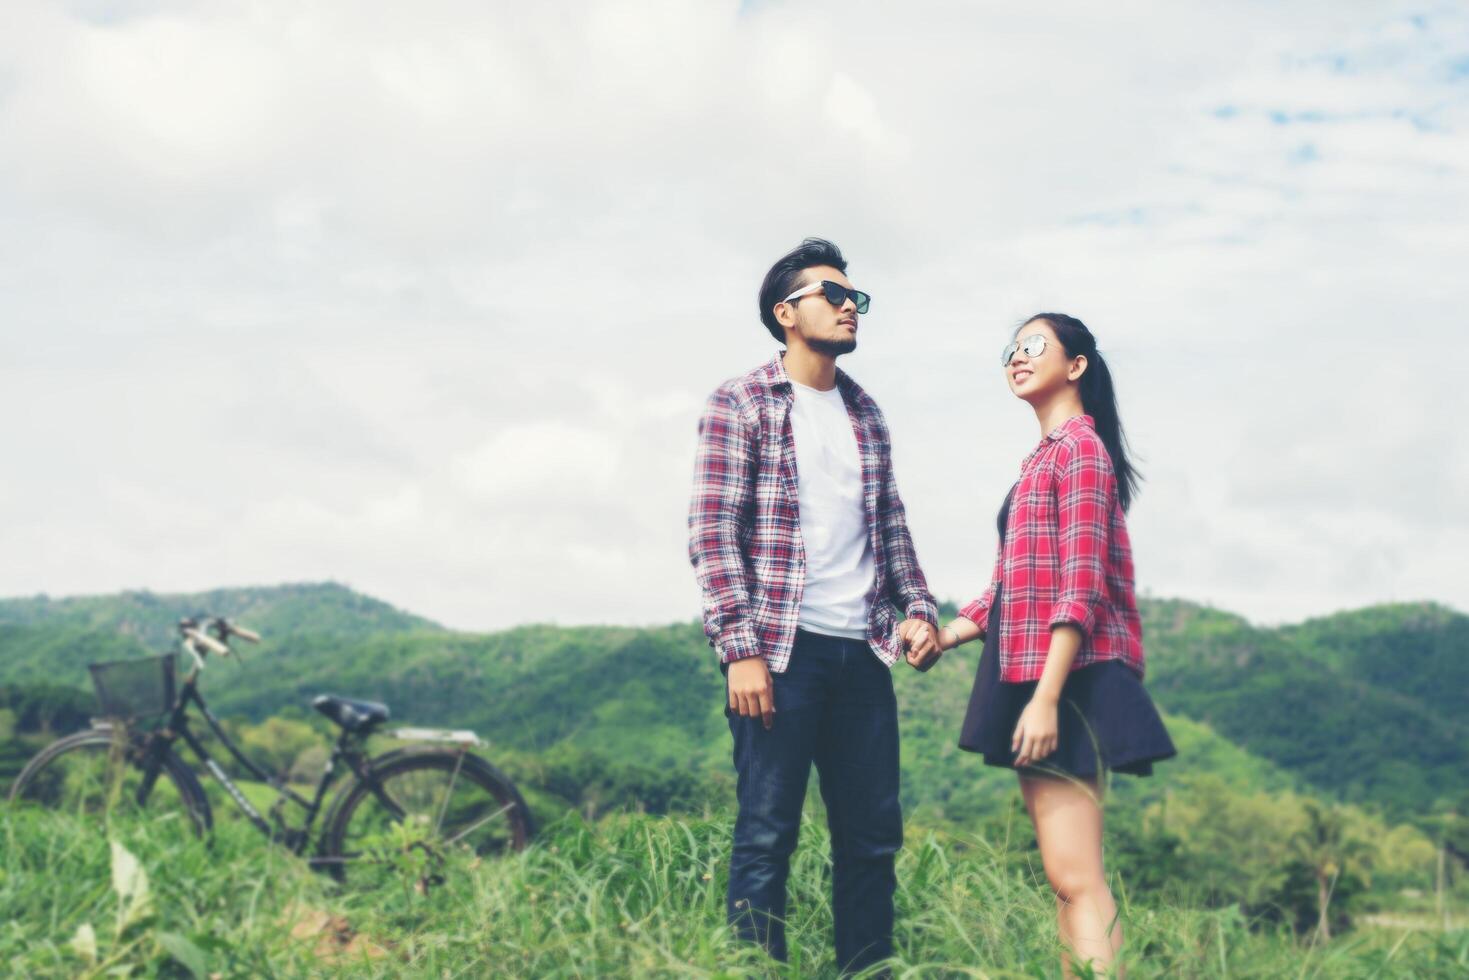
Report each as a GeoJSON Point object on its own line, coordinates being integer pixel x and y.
{"type": "Point", "coordinates": [836, 294]}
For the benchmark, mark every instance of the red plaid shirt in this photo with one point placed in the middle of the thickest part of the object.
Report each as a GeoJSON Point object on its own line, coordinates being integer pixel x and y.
{"type": "Point", "coordinates": [745, 532]}
{"type": "Point", "coordinates": [1066, 558]}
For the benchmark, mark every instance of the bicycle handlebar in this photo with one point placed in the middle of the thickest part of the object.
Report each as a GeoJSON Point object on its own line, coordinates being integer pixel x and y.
{"type": "Point", "coordinates": [207, 642]}
{"type": "Point", "coordinates": [196, 634]}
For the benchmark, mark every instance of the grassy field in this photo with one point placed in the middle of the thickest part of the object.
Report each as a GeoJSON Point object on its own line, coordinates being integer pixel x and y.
{"type": "Point", "coordinates": [629, 896]}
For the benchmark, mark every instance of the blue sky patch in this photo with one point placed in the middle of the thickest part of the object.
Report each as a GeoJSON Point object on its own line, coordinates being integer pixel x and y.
{"type": "Point", "coordinates": [1305, 153]}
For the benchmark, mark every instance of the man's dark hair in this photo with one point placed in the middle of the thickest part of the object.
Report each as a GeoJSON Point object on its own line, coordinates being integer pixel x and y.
{"type": "Point", "coordinates": [784, 277]}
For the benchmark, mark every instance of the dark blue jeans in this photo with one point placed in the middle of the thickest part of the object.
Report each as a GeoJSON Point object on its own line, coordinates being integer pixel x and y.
{"type": "Point", "coordinates": [835, 707]}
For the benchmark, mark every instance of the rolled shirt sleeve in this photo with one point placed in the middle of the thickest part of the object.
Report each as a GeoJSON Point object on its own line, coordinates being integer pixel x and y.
{"type": "Point", "coordinates": [977, 611]}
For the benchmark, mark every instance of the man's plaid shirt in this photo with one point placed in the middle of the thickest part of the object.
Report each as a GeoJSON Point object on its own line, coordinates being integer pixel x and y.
{"type": "Point", "coordinates": [745, 530]}
{"type": "Point", "coordinates": [1066, 558]}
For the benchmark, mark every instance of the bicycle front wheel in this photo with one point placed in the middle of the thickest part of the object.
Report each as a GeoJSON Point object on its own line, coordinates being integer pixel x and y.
{"type": "Point", "coordinates": [99, 774]}
{"type": "Point", "coordinates": [418, 807]}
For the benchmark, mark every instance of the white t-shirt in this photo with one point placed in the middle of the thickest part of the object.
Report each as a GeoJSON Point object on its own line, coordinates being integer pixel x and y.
{"type": "Point", "coordinates": [839, 563]}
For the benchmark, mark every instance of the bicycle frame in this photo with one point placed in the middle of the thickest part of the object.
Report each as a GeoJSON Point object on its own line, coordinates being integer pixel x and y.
{"type": "Point", "coordinates": [177, 727]}
{"type": "Point", "coordinates": [404, 781]}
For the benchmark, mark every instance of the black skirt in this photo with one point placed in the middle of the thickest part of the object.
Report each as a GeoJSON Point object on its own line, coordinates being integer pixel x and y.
{"type": "Point", "coordinates": [1104, 720]}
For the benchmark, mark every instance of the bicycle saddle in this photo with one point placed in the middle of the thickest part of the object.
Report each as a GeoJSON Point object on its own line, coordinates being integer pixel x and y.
{"type": "Point", "coordinates": [354, 716]}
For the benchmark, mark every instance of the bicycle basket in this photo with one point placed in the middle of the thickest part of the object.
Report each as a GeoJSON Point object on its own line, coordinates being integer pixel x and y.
{"type": "Point", "coordinates": [141, 688]}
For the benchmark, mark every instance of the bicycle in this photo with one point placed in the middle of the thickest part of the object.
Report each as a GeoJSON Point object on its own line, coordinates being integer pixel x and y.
{"type": "Point", "coordinates": [405, 808]}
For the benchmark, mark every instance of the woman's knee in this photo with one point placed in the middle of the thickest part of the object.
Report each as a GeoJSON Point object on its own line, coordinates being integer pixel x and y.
{"type": "Point", "coordinates": [1073, 885]}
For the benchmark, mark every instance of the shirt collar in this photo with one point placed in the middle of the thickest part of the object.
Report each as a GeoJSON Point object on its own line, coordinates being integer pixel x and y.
{"type": "Point", "coordinates": [1069, 426]}
{"type": "Point", "coordinates": [774, 375]}
{"type": "Point", "coordinates": [1057, 434]}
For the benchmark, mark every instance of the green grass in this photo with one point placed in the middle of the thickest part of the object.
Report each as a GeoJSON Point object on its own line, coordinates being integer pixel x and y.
{"type": "Point", "coordinates": [629, 896]}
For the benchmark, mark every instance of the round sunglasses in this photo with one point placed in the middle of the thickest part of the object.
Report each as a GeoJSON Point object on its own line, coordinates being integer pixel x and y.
{"type": "Point", "coordinates": [1034, 346]}
{"type": "Point", "coordinates": [836, 294]}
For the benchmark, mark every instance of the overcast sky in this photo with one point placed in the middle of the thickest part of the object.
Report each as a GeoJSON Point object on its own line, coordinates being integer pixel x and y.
{"type": "Point", "coordinates": [425, 298]}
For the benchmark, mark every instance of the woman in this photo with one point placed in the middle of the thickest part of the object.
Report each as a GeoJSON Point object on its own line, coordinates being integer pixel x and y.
{"type": "Point", "coordinates": [1059, 695]}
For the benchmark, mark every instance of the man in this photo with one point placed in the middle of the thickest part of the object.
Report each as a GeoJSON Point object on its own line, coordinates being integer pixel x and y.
{"type": "Point", "coordinates": [801, 546]}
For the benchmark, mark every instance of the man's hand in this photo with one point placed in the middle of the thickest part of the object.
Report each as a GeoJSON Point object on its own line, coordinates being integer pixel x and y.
{"type": "Point", "coordinates": [922, 640]}
{"type": "Point", "coordinates": [751, 692]}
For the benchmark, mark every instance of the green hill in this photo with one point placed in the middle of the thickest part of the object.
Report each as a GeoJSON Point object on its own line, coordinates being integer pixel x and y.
{"type": "Point", "coordinates": [1361, 705]}
{"type": "Point", "coordinates": [1366, 705]}
{"type": "Point", "coordinates": [58, 653]}
{"type": "Point", "coordinates": [604, 719]}
{"type": "Point", "coordinates": [1420, 650]}
{"type": "Point", "coordinates": [282, 610]}
{"type": "Point", "coordinates": [43, 638]}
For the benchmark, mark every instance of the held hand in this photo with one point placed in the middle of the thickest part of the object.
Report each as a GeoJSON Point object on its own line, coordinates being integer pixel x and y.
{"type": "Point", "coordinates": [751, 691]}
{"type": "Point", "coordinates": [1035, 733]}
{"type": "Point", "coordinates": [906, 630]}
{"type": "Point", "coordinates": [923, 641]}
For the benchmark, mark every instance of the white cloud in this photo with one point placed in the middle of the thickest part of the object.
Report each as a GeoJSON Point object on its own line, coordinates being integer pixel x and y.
{"type": "Point", "coordinates": [427, 298]}
{"type": "Point", "coordinates": [547, 461]}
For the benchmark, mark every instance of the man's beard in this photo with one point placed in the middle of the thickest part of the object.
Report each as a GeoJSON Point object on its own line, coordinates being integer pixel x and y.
{"type": "Point", "coordinates": [833, 348]}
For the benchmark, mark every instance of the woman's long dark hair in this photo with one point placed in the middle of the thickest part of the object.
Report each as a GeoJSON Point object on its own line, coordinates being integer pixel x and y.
{"type": "Point", "coordinates": [1097, 396]}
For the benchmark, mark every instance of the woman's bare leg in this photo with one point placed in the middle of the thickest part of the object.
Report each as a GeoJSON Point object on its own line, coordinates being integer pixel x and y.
{"type": "Point", "coordinates": [1067, 816]}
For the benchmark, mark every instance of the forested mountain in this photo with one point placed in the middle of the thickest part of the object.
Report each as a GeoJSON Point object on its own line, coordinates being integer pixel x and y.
{"type": "Point", "coordinates": [1365, 704]}
{"type": "Point", "coordinates": [1275, 728]}
{"type": "Point", "coordinates": [1362, 705]}
{"type": "Point", "coordinates": [149, 617]}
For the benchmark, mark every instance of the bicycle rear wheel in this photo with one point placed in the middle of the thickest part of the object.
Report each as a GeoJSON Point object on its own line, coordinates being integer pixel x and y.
{"type": "Point", "coordinates": [419, 807]}
{"type": "Point", "coordinates": [98, 774]}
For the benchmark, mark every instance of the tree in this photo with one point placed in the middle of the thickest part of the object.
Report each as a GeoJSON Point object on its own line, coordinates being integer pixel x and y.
{"type": "Point", "coordinates": [1236, 846]}
{"type": "Point", "coordinates": [1455, 824]}
{"type": "Point", "coordinates": [1326, 848]}
{"type": "Point", "coordinates": [276, 743]}
{"type": "Point", "coordinates": [1451, 828]}
{"type": "Point", "coordinates": [47, 708]}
